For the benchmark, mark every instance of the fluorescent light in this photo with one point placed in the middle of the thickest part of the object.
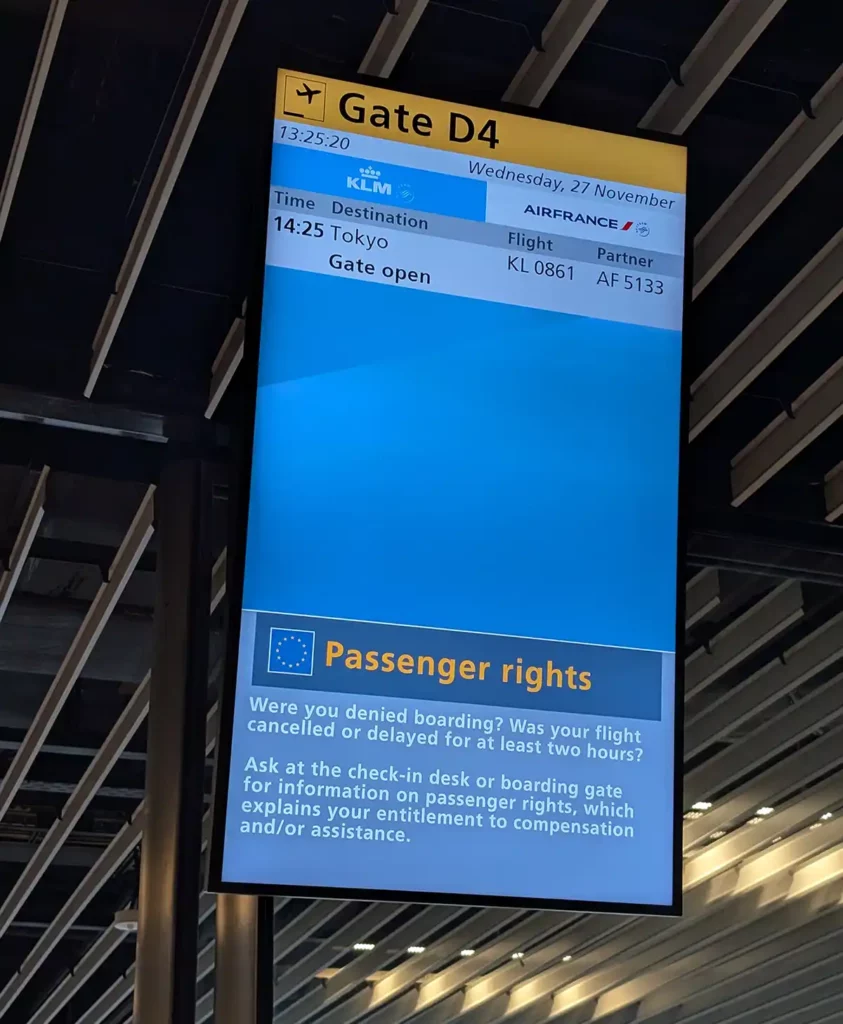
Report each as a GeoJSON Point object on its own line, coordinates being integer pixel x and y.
{"type": "Point", "coordinates": [415, 949]}
{"type": "Point", "coordinates": [756, 820]}
{"type": "Point", "coordinates": [692, 815]}
{"type": "Point", "coordinates": [517, 956]}
{"type": "Point", "coordinates": [775, 839]}
{"type": "Point", "coordinates": [827, 816]}
{"type": "Point", "coordinates": [817, 824]}
{"type": "Point", "coordinates": [363, 947]}
{"type": "Point", "coordinates": [467, 952]}
{"type": "Point", "coordinates": [718, 834]}
{"type": "Point", "coordinates": [567, 958]}
{"type": "Point", "coordinates": [701, 805]}
{"type": "Point", "coordinates": [765, 811]}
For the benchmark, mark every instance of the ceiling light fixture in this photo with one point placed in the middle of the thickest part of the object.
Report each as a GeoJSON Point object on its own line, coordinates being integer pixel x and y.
{"type": "Point", "coordinates": [756, 820]}
{"type": "Point", "coordinates": [517, 956]}
{"type": "Point", "coordinates": [817, 824]}
{"type": "Point", "coordinates": [692, 815]}
{"type": "Point", "coordinates": [126, 920]}
{"type": "Point", "coordinates": [827, 816]}
{"type": "Point", "coordinates": [567, 958]}
{"type": "Point", "coordinates": [765, 811]}
{"type": "Point", "coordinates": [467, 952]}
{"type": "Point", "coordinates": [416, 949]}
{"type": "Point", "coordinates": [718, 834]}
{"type": "Point", "coordinates": [363, 947]}
{"type": "Point", "coordinates": [701, 805]}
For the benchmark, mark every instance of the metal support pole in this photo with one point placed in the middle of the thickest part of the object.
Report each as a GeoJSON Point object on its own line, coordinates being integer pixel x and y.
{"type": "Point", "coordinates": [165, 985]}
{"type": "Point", "coordinates": [266, 961]}
{"type": "Point", "coordinates": [236, 981]}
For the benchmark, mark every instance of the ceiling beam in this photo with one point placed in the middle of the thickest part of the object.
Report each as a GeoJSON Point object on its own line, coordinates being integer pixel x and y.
{"type": "Point", "coordinates": [392, 36]}
{"type": "Point", "coordinates": [765, 688]}
{"type": "Point", "coordinates": [746, 976]}
{"type": "Point", "coordinates": [124, 729]}
{"type": "Point", "coordinates": [17, 404]}
{"type": "Point", "coordinates": [416, 930]}
{"type": "Point", "coordinates": [229, 357]}
{"type": "Point", "coordinates": [763, 340]}
{"type": "Point", "coordinates": [199, 91]}
{"type": "Point", "coordinates": [796, 152]}
{"type": "Point", "coordinates": [23, 542]}
{"type": "Point", "coordinates": [771, 738]}
{"type": "Point", "coordinates": [43, 60]}
{"type": "Point", "coordinates": [813, 412]}
{"type": "Point", "coordinates": [359, 929]}
{"type": "Point", "coordinates": [407, 976]}
{"type": "Point", "coordinates": [710, 63]}
{"type": "Point", "coordinates": [702, 595]}
{"type": "Point", "coordinates": [742, 637]}
{"type": "Point", "coordinates": [560, 39]}
{"type": "Point", "coordinates": [81, 973]}
{"type": "Point", "coordinates": [112, 857]}
{"type": "Point", "coordinates": [771, 787]}
{"type": "Point", "coordinates": [134, 543]}
{"type": "Point", "coordinates": [833, 492]}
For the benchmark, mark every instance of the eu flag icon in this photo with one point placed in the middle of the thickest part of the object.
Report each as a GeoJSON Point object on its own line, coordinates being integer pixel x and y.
{"type": "Point", "coordinates": [291, 651]}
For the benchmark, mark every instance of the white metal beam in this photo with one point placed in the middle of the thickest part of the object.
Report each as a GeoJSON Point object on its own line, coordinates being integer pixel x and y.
{"type": "Point", "coordinates": [710, 63]}
{"type": "Point", "coordinates": [124, 729]}
{"type": "Point", "coordinates": [470, 988]}
{"type": "Point", "coordinates": [218, 580]}
{"type": "Point", "coordinates": [43, 59]}
{"type": "Point", "coordinates": [742, 923]}
{"type": "Point", "coordinates": [359, 929]}
{"type": "Point", "coordinates": [404, 978]}
{"type": "Point", "coordinates": [702, 595]}
{"type": "Point", "coordinates": [771, 786]}
{"type": "Point", "coordinates": [741, 638]}
{"type": "Point", "coordinates": [229, 357]}
{"type": "Point", "coordinates": [110, 862]}
{"type": "Point", "coordinates": [392, 36]}
{"type": "Point", "coordinates": [112, 857]}
{"type": "Point", "coordinates": [130, 551]}
{"type": "Point", "coordinates": [81, 973]}
{"type": "Point", "coordinates": [765, 687]}
{"type": "Point", "coordinates": [737, 981]}
{"type": "Point", "coordinates": [727, 925]}
{"type": "Point", "coordinates": [23, 542]}
{"type": "Point", "coordinates": [204, 78]}
{"type": "Point", "coordinates": [763, 340]}
{"type": "Point", "coordinates": [312, 917]}
{"type": "Point", "coordinates": [833, 491]}
{"type": "Point", "coordinates": [797, 150]}
{"type": "Point", "coordinates": [560, 39]}
{"type": "Point", "coordinates": [316, 1002]}
{"type": "Point", "coordinates": [813, 412]}
{"type": "Point", "coordinates": [769, 739]}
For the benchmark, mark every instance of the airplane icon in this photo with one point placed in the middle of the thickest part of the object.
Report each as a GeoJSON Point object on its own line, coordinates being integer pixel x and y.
{"type": "Point", "coordinates": [308, 92]}
{"type": "Point", "coordinates": [304, 98]}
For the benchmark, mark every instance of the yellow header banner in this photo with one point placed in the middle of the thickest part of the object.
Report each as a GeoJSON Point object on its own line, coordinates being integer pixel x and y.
{"type": "Point", "coordinates": [368, 110]}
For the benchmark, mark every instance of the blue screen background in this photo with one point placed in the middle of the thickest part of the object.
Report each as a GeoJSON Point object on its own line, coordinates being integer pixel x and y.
{"type": "Point", "coordinates": [433, 460]}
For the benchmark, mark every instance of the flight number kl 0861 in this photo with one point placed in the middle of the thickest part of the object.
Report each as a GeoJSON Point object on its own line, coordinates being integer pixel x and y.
{"type": "Point", "coordinates": [542, 268]}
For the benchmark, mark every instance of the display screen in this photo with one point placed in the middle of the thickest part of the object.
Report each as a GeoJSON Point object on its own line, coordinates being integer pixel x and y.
{"type": "Point", "coordinates": [455, 678]}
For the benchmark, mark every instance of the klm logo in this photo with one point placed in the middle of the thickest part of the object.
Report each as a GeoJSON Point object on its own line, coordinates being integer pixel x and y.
{"type": "Point", "coordinates": [369, 181]}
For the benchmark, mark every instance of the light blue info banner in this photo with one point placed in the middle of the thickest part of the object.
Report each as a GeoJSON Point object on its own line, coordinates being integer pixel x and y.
{"type": "Point", "coordinates": [456, 665]}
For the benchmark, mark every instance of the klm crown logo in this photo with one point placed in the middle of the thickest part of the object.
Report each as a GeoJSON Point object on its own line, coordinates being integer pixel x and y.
{"type": "Point", "coordinates": [291, 651]}
{"type": "Point", "coordinates": [369, 180]}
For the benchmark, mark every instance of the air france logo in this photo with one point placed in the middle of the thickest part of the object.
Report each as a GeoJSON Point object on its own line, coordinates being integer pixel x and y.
{"type": "Point", "coordinates": [595, 220]}
{"type": "Point", "coordinates": [369, 180]}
